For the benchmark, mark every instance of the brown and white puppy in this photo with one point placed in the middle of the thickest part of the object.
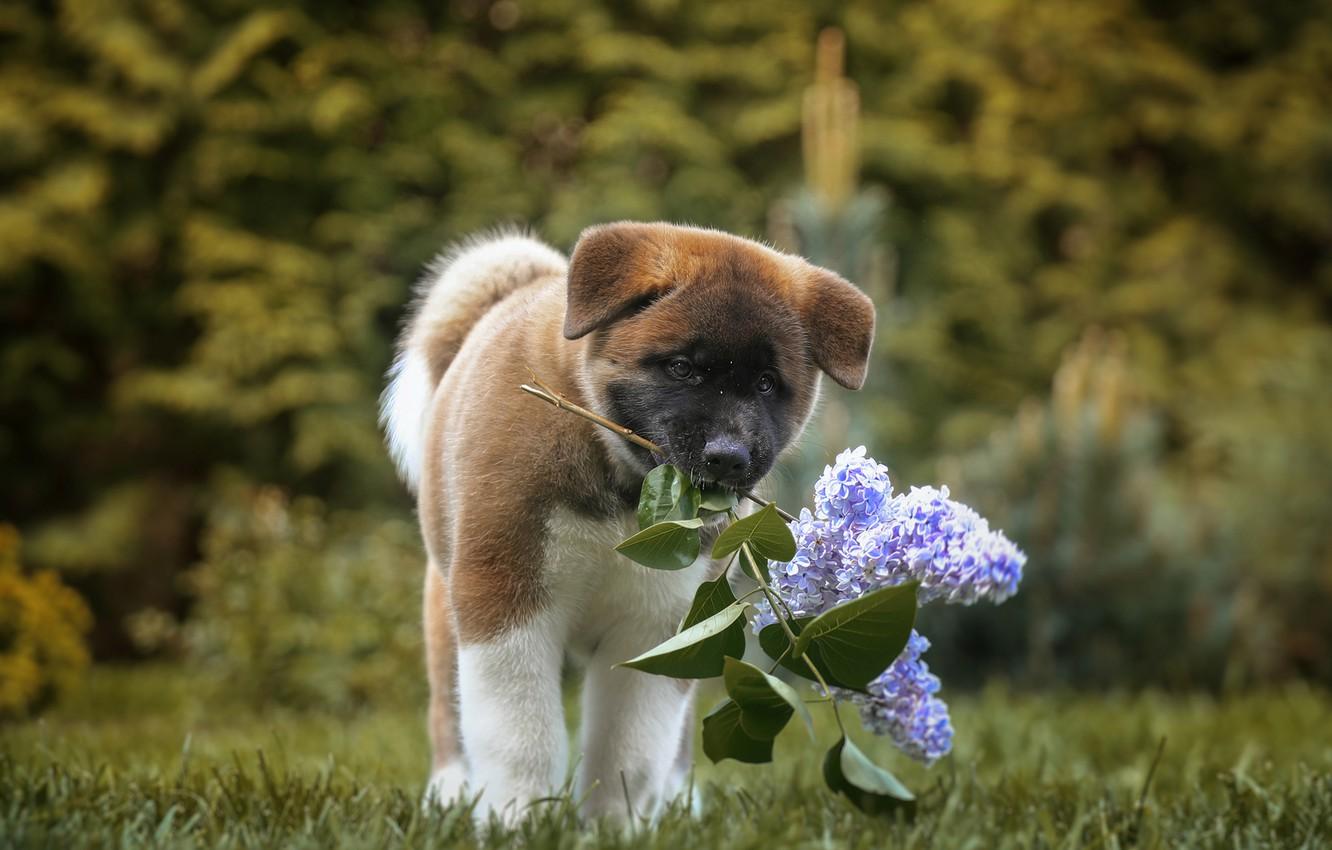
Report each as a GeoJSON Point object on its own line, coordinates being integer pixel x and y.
{"type": "Point", "coordinates": [709, 345]}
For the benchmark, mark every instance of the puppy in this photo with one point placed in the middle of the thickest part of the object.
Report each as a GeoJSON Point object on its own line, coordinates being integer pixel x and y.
{"type": "Point", "coordinates": [707, 344]}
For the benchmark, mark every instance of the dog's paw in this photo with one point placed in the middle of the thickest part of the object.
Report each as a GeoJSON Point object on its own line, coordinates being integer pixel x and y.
{"type": "Point", "coordinates": [447, 785]}
{"type": "Point", "coordinates": [690, 800]}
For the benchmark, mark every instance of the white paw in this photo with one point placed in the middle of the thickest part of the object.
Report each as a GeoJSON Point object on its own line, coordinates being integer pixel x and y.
{"type": "Point", "coordinates": [692, 798]}
{"type": "Point", "coordinates": [508, 813]}
{"type": "Point", "coordinates": [446, 785]}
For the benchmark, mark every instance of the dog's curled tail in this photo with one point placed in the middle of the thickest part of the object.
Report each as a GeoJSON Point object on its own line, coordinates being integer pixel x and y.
{"type": "Point", "coordinates": [459, 286]}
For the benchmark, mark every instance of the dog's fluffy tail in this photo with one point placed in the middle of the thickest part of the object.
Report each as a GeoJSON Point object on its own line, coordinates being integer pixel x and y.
{"type": "Point", "coordinates": [459, 286]}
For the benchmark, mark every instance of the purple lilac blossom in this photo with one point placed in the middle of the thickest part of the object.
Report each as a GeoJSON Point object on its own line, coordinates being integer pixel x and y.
{"type": "Point", "coordinates": [902, 705]}
{"type": "Point", "coordinates": [851, 493]}
{"type": "Point", "coordinates": [943, 544]}
{"type": "Point", "coordinates": [862, 537]}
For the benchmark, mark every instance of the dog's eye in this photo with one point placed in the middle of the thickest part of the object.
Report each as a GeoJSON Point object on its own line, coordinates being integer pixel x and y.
{"type": "Point", "coordinates": [680, 367]}
{"type": "Point", "coordinates": [766, 383]}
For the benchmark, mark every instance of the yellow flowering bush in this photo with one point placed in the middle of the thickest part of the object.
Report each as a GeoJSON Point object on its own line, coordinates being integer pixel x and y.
{"type": "Point", "coordinates": [42, 629]}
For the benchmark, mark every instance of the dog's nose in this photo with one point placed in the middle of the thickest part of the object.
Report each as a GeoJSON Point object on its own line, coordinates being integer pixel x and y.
{"type": "Point", "coordinates": [726, 458]}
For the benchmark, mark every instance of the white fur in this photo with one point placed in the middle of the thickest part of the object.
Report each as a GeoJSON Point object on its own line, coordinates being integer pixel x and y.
{"type": "Point", "coordinates": [446, 785]}
{"type": "Point", "coordinates": [460, 284]}
{"type": "Point", "coordinates": [512, 718]}
{"type": "Point", "coordinates": [604, 609]}
{"type": "Point", "coordinates": [633, 726]}
{"type": "Point", "coordinates": [403, 411]}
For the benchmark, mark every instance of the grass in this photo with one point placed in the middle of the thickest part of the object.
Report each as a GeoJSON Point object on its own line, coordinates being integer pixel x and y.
{"type": "Point", "coordinates": [149, 757]}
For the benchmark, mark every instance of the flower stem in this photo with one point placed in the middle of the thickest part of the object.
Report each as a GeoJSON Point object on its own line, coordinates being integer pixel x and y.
{"type": "Point", "coordinates": [767, 591]}
{"type": "Point", "coordinates": [749, 594]}
{"type": "Point", "coordinates": [786, 627]}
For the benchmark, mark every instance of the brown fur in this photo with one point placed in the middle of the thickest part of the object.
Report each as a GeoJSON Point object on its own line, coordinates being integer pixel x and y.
{"type": "Point", "coordinates": [840, 320]}
{"type": "Point", "coordinates": [441, 660]}
{"type": "Point", "coordinates": [510, 461]}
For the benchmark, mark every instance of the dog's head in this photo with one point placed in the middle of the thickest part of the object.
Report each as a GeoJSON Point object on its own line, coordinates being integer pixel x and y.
{"type": "Point", "coordinates": [710, 345]}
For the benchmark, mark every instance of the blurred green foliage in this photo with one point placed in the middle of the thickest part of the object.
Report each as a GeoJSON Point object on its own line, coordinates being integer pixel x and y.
{"type": "Point", "coordinates": [303, 606]}
{"type": "Point", "coordinates": [1120, 565]}
{"type": "Point", "coordinates": [210, 214]}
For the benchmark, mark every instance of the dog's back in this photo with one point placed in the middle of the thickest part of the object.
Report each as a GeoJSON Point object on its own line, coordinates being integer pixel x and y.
{"type": "Point", "coordinates": [459, 287]}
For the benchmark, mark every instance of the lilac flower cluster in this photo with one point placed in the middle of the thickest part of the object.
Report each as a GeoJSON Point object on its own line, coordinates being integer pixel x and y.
{"type": "Point", "coordinates": [862, 537]}
{"type": "Point", "coordinates": [902, 705]}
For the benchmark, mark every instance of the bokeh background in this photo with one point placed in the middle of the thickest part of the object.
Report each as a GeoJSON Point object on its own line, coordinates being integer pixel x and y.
{"type": "Point", "coordinates": [1099, 235]}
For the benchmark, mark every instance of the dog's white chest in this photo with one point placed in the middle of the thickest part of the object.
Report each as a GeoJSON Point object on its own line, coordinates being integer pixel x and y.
{"type": "Point", "coordinates": [596, 589]}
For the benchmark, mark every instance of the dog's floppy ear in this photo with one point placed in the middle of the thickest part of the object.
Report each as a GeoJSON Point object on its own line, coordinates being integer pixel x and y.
{"type": "Point", "coordinates": [612, 269]}
{"type": "Point", "coordinates": [840, 321]}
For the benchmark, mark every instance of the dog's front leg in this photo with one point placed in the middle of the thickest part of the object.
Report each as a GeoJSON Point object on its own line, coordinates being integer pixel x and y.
{"type": "Point", "coordinates": [512, 717]}
{"type": "Point", "coordinates": [632, 727]}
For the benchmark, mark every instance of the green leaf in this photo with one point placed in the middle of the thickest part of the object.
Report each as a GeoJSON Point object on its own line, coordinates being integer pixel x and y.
{"type": "Point", "coordinates": [700, 651]}
{"type": "Point", "coordinates": [766, 702]}
{"type": "Point", "coordinates": [718, 500]}
{"type": "Point", "coordinates": [764, 531]}
{"type": "Point", "coordinates": [711, 597]}
{"type": "Point", "coordinates": [725, 738]}
{"type": "Point", "coordinates": [872, 789]}
{"type": "Point", "coordinates": [857, 640]}
{"type": "Point", "coordinates": [773, 640]}
{"type": "Point", "coordinates": [667, 494]}
{"type": "Point", "coordinates": [670, 545]}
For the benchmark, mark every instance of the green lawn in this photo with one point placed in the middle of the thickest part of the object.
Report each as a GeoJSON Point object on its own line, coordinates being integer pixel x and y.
{"type": "Point", "coordinates": [150, 757]}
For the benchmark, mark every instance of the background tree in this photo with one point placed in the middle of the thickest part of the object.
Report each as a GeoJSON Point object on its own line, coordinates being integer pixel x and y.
{"type": "Point", "coordinates": [210, 216]}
